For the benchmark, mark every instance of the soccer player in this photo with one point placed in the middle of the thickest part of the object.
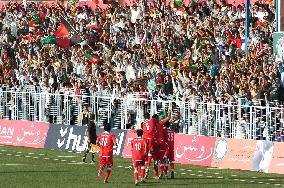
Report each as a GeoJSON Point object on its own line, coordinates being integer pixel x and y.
{"type": "Point", "coordinates": [106, 141]}
{"type": "Point", "coordinates": [139, 148]}
{"type": "Point", "coordinates": [149, 129]}
{"type": "Point", "coordinates": [169, 138]}
{"type": "Point", "coordinates": [161, 148]}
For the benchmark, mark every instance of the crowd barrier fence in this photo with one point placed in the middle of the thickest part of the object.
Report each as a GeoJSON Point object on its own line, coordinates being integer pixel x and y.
{"type": "Point", "coordinates": [193, 116]}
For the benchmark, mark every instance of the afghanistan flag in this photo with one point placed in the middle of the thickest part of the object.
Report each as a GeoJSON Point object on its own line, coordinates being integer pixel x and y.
{"type": "Point", "coordinates": [66, 36]}
{"type": "Point", "coordinates": [92, 58]}
{"type": "Point", "coordinates": [175, 73]}
{"type": "Point", "coordinates": [179, 5]}
{"type": "Point", "coordinates": [189, 68]}
{"type": "Point", "coordinates": [95, 27]}
{"type": "Point", "coordinates": [172, 64]}
{"type": "Point", "coordinates": [184, 58]}
{"type": "Point", "coordinates": [59, 2]}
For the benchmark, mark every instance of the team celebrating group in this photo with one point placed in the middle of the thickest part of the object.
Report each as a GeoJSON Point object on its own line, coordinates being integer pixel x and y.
{"type": "Point", "coordinates": [155, 141]}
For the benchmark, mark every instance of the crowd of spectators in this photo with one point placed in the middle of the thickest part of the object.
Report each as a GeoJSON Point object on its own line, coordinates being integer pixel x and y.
{"type": "Point", "coordinates": [151, 48]}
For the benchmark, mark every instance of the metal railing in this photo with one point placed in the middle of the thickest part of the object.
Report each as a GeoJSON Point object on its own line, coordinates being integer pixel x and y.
{"type": "Point", "coordinates": [192, 115]}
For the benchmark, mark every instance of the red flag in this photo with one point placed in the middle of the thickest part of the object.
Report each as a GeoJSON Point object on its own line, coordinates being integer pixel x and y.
{"type": "Point", "coordinates": [66, 36]}
{"type": "Point", "coordinates": [28, 39]}
{"type": "Point", "coordinates": [94, 60]}
{"type": "Point", "coordinates": [96, 1]}
{"type": "Point", "coordinates": [62, 36]}
{"type": "Point", "coordinates": [96, 27]}
{"type": "Point", "coordinates": [32, 26]}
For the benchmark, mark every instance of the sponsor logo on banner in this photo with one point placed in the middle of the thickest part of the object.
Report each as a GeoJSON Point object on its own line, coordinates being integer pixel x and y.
{"type": "Point", "coordinates": [74, 138]}
{"type": "Point", "coordinates": [120, 139]}
{"type": "Point", "coordinates": [221, 149]}
{"type": "Point", "coordinates": [278, 46]}
{"type": "Point", "coordinates": [277, 161]}
{"type": "Point", "coordinates": [23, 133]}
{"type": "Point", "coordinates": [262, 156]}
{"type": "Point", "coordinates": [127, 144]}
{"type": "Point", "coordinates": [197, 150]}
{"type": "Point", "coordinates": [234, 153]}
{"type": "Point", "coordinates": [67, 138]}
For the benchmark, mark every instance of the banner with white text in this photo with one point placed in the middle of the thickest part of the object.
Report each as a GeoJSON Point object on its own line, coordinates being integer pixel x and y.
{"type": "Point", "coordinates": [23, 133]}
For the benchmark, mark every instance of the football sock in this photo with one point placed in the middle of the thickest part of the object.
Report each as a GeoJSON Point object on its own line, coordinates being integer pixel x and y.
{"type": "Point", "coordinates": [166, 168]}
{"type": "Point", "coordinates": [142, 174]}
{"type": "Point", "coordinates": [148, 161]}
{"type": "Point", "coordinates": [139, 170]}
{"type": "Point", "coordinates": [156, 170]}
{"type": "Point", "coordinates": [108, 171]}
{"type": "Point", "coordinates": [162, 168]}
{"type": "Point", "coordinates": [135, 174]}
{"type": "Point", "coordinates": [100, 172]}
{"type": "Point", "coordinates": [172, 165]}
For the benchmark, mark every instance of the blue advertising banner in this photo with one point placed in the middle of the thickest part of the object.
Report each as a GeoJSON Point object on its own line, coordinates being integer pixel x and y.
{"type": "Point", "coordinates": [66, 138]}
{"type": "Point", "coordinates": [74, 138]}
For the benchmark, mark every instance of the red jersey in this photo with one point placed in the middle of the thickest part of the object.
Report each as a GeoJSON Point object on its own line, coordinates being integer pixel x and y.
{"type": "Point", "coordinates": [159, 136]}
{"type": "Point", "coordinates": [148, 127]}
{"type": "Point", "coordinates": [169, 137]}
{"type": "Point", "coordinates": [139, 148]}
{"type": "Point", "coordinates": [106, 142]}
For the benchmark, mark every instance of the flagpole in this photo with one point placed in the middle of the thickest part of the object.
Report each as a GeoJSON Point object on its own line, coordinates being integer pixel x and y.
{"type": "Point", "coordinates": [277, 15]}
{"type": "Point", "coordinates": [247, 25]}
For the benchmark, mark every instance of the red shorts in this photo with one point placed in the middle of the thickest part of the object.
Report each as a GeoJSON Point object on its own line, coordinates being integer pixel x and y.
{"type": "Point", "coordinates": [138, 163]}
{"type": "Point", "coordinates": [161, 150]}
{"type": "Point", "coordinates": [106, 161]}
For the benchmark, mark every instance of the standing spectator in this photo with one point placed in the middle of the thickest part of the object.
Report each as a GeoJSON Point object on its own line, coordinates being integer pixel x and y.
{"type": "Point", "coordinates": [86, 117]}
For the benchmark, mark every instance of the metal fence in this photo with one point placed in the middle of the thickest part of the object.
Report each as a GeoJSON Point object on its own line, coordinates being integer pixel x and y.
{"type": "Point", "coordinates": [192, 116]}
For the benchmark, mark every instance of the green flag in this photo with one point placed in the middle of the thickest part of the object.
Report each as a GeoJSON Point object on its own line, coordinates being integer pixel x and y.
{"type": "Point", "coordinates": [190, 68]}
{"type": "Point", "coordinates": [181, 58]}
{"type": "Point", "coordinates": [35, 18]}
{"type": "Point", "coordinates": [179, 5]}
{"type": "Point", "coordinates": [195, 51]}
{"type": "Point", "coordinates": [172, 64]}
{"type": "Point", "coordinates": [73, 2]}
{"type": "Point", "coordinates": [89, 54]}
{"type": "Point", "coordinates": [49, 40]}
{"type": "Point", "coordinates": [192, 3]}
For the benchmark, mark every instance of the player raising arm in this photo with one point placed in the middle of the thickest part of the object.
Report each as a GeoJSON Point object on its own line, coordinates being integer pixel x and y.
{"type": "Point", "coordinates": [161, 148]}
{"type": "Point", "coordinates": [149, 129]}
{"type": "Point", "coordinates": [139, 147]}
{"type": "Point", "coordinates": [106, 141]}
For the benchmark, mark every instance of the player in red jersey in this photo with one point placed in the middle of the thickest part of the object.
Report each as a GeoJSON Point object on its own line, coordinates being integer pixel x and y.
{"type": "Point", "coordinates": [106, 141]}
{"type": "Point", "coordinates": [160, 146]}
{"type": "Point", "coordinates": [170, 139]}
{"type": "Point", "coordinates": [139, 147]}
{"type": "Point", "coordinates": [149, 130]}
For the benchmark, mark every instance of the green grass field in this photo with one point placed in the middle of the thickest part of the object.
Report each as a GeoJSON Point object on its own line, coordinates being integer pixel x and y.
{"type": "Point", "coordinates": [27, 167]}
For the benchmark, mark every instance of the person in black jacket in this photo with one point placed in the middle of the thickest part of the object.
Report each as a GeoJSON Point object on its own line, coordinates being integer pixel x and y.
{"type": "Point", "coordinates": [92, 138]}
{"type": "Point", "coordinates": [168, 85]}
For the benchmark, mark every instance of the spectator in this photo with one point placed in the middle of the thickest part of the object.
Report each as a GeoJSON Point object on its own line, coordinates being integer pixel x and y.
{"type": "Point", "coordinates": [86, 117]}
